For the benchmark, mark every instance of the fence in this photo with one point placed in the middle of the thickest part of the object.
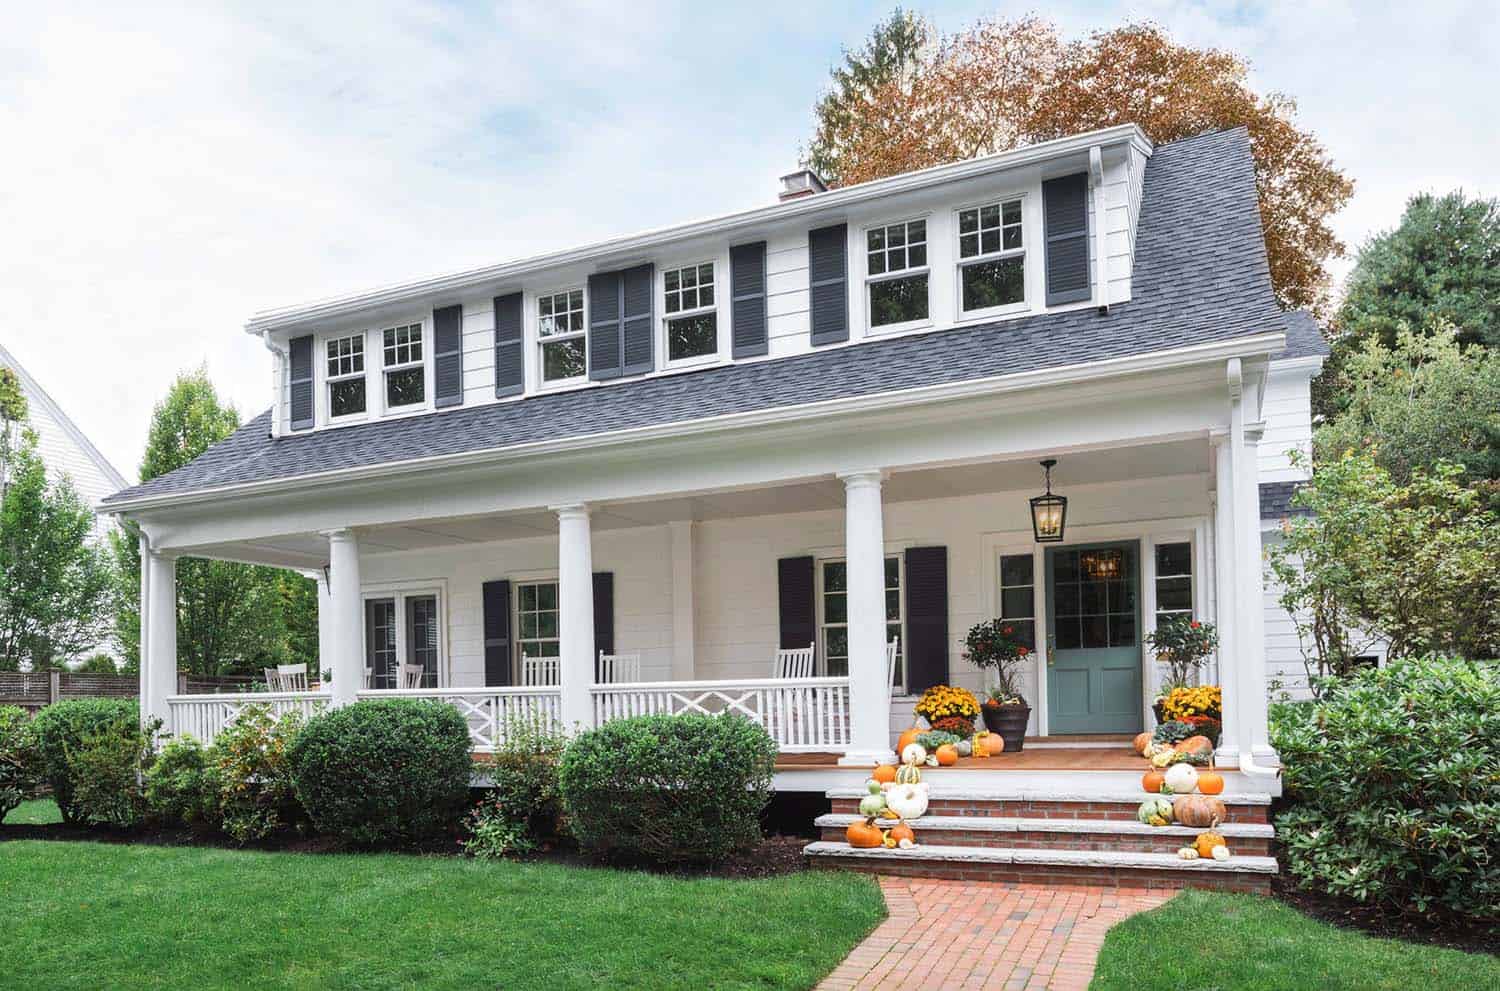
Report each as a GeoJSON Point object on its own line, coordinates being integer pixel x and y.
{"type": "Point", "coordinates": [35, 689]}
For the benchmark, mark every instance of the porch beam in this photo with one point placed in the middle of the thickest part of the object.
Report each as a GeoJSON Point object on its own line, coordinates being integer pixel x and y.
{"type": "Point", "coordinates": [869, 688]}
{"type": "Point", "coordinates": [346, 626]}
{"type": "Point", "coordinates": [575, 604]}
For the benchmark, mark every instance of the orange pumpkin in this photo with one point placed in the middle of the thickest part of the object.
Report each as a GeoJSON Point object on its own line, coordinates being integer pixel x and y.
{"type": "Point", "coordinates": [994, 744]}
{"type": "Point", "coordinates": [1152, 781]}
{"type": "Point", "coordinates": [1206, 842]}
{"type": "Point", "coordinates": [903, 832]}
{"type": "Point", "coordinates": [1200, 746]}
{"type": "Point", "coordinates": [864, 835]}
{"type": "Point", "coordinates": [884, 773]}
{"type": "Point", "coordinates": [947, 755]}
{"type": "Point", "coordinates": [1210, 783]}
{"type": "Point", "coordinates": [1142, 741]}
{"type": "Point", "coordinates": [1199, 810]}
{"type": "Point", "coordinates": [908, 738]}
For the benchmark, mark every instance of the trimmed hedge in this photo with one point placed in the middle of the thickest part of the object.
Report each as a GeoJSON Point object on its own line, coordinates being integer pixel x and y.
{"type": "Point", "coordinates": [1395, 778]}
{"type": "Point", "coordinates": [668, 788]}
{"type": "Point", "coordinates": [384, 772]}
{"type": "Point", "coordinates": [18, 758]}
{"type": "Point", "coordinates": [63, 727]}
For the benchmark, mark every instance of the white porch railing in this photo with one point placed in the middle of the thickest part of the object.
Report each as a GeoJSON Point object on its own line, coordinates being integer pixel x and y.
{"type": "Point", "coordinates": [489, 711]}
{"type": "Point", "coordinates": [206, 716]}
{"type": "Point", "coordinates": [801, 714]}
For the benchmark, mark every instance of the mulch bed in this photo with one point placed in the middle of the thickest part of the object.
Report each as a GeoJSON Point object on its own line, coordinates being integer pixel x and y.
{"type": "Point", "coordinates": [1454, 932]}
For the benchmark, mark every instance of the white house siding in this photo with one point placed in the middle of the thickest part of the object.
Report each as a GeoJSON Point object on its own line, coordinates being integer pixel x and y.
{"type": "Point", "coordinates": [735, 571]}
{"type": "Point", "coordinates": [1287, 411]}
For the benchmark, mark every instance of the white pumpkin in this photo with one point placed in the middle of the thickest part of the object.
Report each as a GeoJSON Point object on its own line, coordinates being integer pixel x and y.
{"type": "Point", "coordinates": [905, 843]}
{"type": "Point", "coordinates": [914, 753]}
{"type": "Point", "coordinates": [1187, 853]}
{"type": "Point", "coordinates": [907, 801]}
{"type": "Point", "coordinates": [1182, 779]}
{"type": "Point", "coordinates": [1221, 853]}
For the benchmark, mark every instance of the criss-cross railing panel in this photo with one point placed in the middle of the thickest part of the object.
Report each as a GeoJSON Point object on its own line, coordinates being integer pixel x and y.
{"type": "Point", "coordinates": [801, 714]}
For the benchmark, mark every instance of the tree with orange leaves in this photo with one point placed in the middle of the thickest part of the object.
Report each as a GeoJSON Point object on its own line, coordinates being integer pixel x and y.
{"type": "Point", "coordinates": [910, 99]}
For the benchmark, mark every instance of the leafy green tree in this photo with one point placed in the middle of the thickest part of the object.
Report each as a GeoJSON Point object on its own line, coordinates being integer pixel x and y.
{"type": "Point", "coordinates": [230, 616]}
{"type": "Point", "coordinates": [13, 412]}
{"type": "Point", "coordinates": [299, 611]}
{"type": "Point", "coordinates": [54, 581]}
{"type": "Point", "coordinates": [1414, 565]}
{"type": "Point", "coordinates": [1424, 400]}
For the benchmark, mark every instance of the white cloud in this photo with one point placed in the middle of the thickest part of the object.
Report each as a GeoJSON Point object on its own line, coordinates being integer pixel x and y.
{"type": "Point", "coordinates": [166, 171]}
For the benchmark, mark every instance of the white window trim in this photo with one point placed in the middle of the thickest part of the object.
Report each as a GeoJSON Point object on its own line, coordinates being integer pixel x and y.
{"type": "Point", "coordinates": [869, 280]}
{"type": "Point", "coordinates": [722, 330]}
{"type": "Point", "coordinates": [400, 592]}
{"type": "Point", "coordinates": [329, 380]}
{"type": "Point", "coordinates": [821, 653]}
{"type": "Point", "coordinates": [516, 581]}
{"type": "Point", "coordinates": [534, 318]}
{"type": "Point", "coordinates": [378, 334]}
{"type": "Point", "coordinates": [1023, 252]}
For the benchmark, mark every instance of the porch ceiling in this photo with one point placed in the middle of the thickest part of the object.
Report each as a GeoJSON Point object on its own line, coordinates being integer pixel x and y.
{"type": "Point", "coordinates": [1172, 458]}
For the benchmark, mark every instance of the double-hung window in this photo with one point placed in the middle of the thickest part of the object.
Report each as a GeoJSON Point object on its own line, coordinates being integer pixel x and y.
{"type": "Point", "coordinates": [834, 630]}
{"type": "Point", "coordinates": [991, 258]}
{"type": "Point", "coordinates": [1018, 595]}
{"type": "Point", "coordinates": [896, 273]}
{"type": "Point", "coordinates": [537, 619]}
{"type": "Point", "coordinates": [405, 374]}
{"type": "Point", "coordinates": [691, 312]}
{"type": "Point", "coordinates": [560, 333]}
{"type": "Point", "coordinates": [1174, 580]}
{"type": "Point", "coordinates": [346, 376]}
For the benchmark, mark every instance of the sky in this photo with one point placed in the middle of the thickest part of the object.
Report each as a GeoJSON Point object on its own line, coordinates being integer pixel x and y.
{"type": "Point", "coordinates": [167, 170]}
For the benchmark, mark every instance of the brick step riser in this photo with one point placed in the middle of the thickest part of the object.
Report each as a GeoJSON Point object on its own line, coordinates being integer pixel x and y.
{"type": "Point", "coordinates": [1048, 810]}
{"type": "Point", "coordinates": [1051, 875]}
{"type": "Point", "coordinates": [1064, 841]}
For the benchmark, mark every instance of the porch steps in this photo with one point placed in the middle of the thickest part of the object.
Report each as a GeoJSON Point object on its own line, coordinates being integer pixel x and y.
{"type": "Point", "coordinates": [1018, 833]}
{"type": "Point", "coordinates": [1058, 836]}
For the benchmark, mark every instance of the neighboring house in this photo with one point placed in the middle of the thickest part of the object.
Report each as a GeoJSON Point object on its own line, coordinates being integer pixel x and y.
{"type": "Point", "coordinates": [63, 447]}
{"type": "Point", "coordinates": [814, 423]}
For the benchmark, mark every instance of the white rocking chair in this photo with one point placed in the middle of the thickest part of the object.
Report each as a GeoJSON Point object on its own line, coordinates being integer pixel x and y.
{"type": "Point", "coordinates": [796, 663]}
{"type": "Point", "coordinates": [291, 678]}
{"type": "Point", "coordinates": [411, 675]}
{"type": "Point", "coordinates": [891, 650]}
{"type": "Point", "coordinates": [616, 669]}
{"type": "Point", "coordinates": [537, 671]}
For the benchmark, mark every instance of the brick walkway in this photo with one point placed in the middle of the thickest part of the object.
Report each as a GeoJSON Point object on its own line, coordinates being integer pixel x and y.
{"type": "Point", "coordinates": [972, 934]}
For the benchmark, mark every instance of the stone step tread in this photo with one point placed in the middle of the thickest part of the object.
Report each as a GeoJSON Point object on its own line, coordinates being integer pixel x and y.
{"type": "Point", "coordinates": [1110, 859]}
{"type": "Point", "coordinates": [1022, 824]}
{"type": "Point", "coordinates": [1133, 797]}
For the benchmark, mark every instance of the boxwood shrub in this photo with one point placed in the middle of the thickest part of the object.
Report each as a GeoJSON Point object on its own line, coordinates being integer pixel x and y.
{"type": "Point", "coordinates": [384, 772]}
{"type": "Point", "coordinates": [1394, 779]}
{"type": "Point", "coordinates": [666, 789]}
{"type": "Point", "coordinates": [62, 728]}
{"type": "Point", "coordinates": [18, 758]}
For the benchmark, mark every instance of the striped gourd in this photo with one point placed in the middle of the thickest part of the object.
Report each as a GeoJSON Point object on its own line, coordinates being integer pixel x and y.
{"type": "Point", "coordinates": [908, 774]}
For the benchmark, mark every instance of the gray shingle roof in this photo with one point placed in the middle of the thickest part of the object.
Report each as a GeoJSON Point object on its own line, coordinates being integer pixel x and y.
{"type": "Point", "coordinates": [1200, 277]}
{"type": "Point", "coordinates": [1276, 500]}
{"type": "Point", "coordinates": [1304, 338]}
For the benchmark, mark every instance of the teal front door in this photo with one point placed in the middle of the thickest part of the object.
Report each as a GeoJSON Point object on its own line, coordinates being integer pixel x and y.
{"type": "Point", "coordinates": [1093, 622]}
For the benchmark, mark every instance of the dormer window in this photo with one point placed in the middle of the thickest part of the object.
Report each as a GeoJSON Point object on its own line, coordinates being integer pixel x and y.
{"type": "Point", "coordinates": [896, 274]}
{"type": "Point", "coordinates": [991, 258]}
{"type": "Point", "coordinates": [405, 376]}
{"type": "Point", "coordinates": [346, 376]}
{"type": "Point", "coordinates": [691, 312]}
{"type": "Point", "coordinates": [560, 333]}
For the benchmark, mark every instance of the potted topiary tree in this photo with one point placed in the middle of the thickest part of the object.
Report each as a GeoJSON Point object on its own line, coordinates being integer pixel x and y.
{"type": "Point", "coordinates": [1182, 644]}
{"type": "Point", "coordinates": [996, 645]}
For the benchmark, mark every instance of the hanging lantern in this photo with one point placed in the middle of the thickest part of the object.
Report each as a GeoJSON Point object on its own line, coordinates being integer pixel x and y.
{"type": "Point", "coordinates": [1048, 512]}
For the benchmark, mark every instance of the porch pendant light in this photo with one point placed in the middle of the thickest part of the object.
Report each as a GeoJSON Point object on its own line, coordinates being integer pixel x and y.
{"type": "Point", "coordinates": [1048, 512]}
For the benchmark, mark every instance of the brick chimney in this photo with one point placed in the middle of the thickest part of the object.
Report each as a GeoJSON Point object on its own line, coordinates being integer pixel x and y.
{"type": "Point", "coordinates": [803, 182]}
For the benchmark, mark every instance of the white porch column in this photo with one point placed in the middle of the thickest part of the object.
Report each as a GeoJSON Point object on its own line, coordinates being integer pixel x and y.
{"type": "Point", "coordinates": [1254, 731]}
{"type": "Point", "coordinates": [346, 617]}
{"type": "Point", "coordinates": [864, 551]}
{"type": "Point", "coordinates": [575, 605]}
{"type": "Point", "coordinates": [1226, 608]}
{"type": "Point", "coordinates": [683, 606]}
{"type": "Point", "coordinates": [159, 634]}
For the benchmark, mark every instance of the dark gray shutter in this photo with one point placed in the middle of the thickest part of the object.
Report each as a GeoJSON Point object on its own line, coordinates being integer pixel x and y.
{"type": "Point", "coordinates": [604, 616]}
{"type": "Point", "coordinates": [605, 336]}
{"type": "Point", "coordinates": [794, 600]}
{"type": "Point", "coordinates": [301, 382]}
{"type": "Point", "coordinates": [1065, 219]}
{"type": "Point", "coordinates": [828, 283]}
{"type": "Point", "coordinates": [496, 599]}
{"type": "Point", "coordinates": [637, 288]}
{"type": "Point", "coordinates": [448, 356]}
{"type": "Point", "coordinates": [510, 358]}
{"type": "Point", "coordinates": [747, 278]}
{"type": "Point", "coordinates": [926, 647]}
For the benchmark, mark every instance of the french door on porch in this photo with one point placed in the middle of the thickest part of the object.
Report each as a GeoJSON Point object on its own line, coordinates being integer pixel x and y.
{"type": "Point", "coordinates": [1093, 624]}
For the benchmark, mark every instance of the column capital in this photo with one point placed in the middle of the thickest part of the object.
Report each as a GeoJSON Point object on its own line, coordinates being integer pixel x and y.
{"type": "Point", "coordinates": [157, 554]}
{"type": "Point", "coordinates": [1218, 436]}
{"type": "Point", "coordinates": [338, 534]}
{"type": "Point", "coordinates": [857, 477]}
{"type": "Point", "coordinates": [572, 510]}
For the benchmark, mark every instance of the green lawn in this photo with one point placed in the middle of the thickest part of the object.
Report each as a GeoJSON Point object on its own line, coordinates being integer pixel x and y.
{"type": "Point", "coordinates": [37, 812]}
{"type": "Point", "coordinates": [1202, 941]}
{"type": "Point", "coordinates": [87, 915]}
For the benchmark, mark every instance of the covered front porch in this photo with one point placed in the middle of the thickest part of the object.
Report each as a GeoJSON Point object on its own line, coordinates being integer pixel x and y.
{"type": "Point", "coordinates": [704, 556]}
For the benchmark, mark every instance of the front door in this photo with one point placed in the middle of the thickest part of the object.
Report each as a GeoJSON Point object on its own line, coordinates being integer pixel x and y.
{"type": "Point", "coordinates": [1093, 622]}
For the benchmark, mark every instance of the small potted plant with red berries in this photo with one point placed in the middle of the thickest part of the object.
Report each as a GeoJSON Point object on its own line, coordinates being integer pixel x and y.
{"type": "Point", "coordinates": [1182, 644]}
{"type": "Point", "coordinates": [999, 645]}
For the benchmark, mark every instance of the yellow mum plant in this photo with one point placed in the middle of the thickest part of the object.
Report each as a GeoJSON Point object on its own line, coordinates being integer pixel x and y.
{"type": "Point", "coordinates": [945, 702]}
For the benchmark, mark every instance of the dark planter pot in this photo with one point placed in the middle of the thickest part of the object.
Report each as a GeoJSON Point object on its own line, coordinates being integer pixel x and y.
{"type": "Point", "coordinates": [1009, 723]}
{"type": "Point", "coordinates": [1156, 708]}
